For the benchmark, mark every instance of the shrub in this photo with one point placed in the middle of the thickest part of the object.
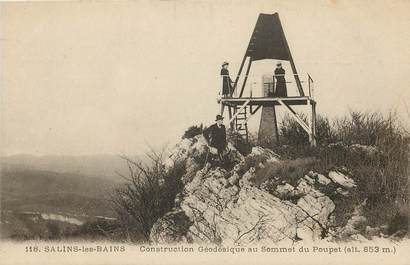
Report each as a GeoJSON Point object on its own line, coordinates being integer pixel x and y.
{"type": "Point", "coordinates": [381, 173]}
{"type": "Point", "coordinates": [149, 193]}
{"type": "Point", "coordinates": [239, 142]}
{"type": "Point", "coordinates": [53, 230]}
{"type": "Point", "coordinates": [367, 128]}
{"type": "Point", "coordinates": [100, 229]}
{"type": "Point", "coordinates": [193, 131]}
{"type": "Point", "coordinates": [291, 133]}
{"type": "Point", "coordinates": [289, 171]}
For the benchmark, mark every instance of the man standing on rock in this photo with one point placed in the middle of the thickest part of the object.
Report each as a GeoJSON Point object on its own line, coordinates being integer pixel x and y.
{"type": "Point", "coordinates": [215, 135]}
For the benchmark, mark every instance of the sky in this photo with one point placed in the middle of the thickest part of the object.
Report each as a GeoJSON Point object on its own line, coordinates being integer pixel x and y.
{"type": "Point", "coordinates": [113, 77]}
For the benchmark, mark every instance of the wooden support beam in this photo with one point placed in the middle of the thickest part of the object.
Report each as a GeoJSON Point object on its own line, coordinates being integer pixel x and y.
{"type": "Point", "coordinates": [310, 82]}
{"type": "Point", "coordinates": [266, 100]}
{"type": "Point", "coordinates": [241, 67]}
{"type": "Point", "coordinates": [222, 109]}
{"type": "Point", "coordinates": [297, 118]}
{"type": "Point", "coordinates": [239, 110]}
{"type": "Point", "coordinates": [276, 126]}
{"type": "Point", "coordinates": [313, 124]}
{"type": "Point", "coordinates": [256, 110]}
{"type": "Point", "coordinates": [246, 77]}
{"type": "Point", "coordinates": [292, 63]}
{"type": "Point", "coordinates": [230, 116]}
{"type": "Point", "coordinates": [238, 75]}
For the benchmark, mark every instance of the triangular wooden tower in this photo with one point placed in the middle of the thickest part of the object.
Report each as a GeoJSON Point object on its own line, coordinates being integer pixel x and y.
{"type": "Point", "coordinates": [268, 41]}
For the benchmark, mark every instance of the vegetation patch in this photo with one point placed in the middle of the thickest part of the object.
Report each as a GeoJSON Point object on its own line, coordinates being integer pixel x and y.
{"type": "Point", "coordinates": [149, 193]}
{"type": "Point", "coordinates": [375, 150]}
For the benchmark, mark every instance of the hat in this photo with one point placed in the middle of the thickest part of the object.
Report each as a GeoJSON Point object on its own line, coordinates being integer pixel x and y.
{"type": "Point", "coordinates": [225, 63]}
{"type": "Point", "coordinates": [278, 64]}
{"type": "Point", "coordinates": [219, 117]}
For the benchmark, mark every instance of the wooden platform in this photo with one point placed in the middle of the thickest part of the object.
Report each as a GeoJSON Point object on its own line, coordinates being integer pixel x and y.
{"type": "Point", "coordinates": [266, 101]}
{"type": "Point", "coordinates": [239, 116]}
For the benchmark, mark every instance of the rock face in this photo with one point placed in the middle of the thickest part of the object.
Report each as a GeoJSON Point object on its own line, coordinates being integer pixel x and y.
{"type": "Point", "coordinates": [178, 221]}
{"type": "Point", "coordinates": [226, 206]}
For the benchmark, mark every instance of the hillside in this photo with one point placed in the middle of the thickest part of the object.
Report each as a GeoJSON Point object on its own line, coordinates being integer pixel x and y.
{"type": "Point", "coordinates": [35, 201]}
{"type": "Point", "coordinates": [263, 198]}
{"type": "Point", "coordinates": [31, 182]}
{"type": "Point", "coordinates": [101, 166]}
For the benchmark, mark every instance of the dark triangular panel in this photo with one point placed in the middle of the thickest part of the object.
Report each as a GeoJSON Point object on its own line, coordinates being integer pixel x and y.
{"type": "Point", "coordinates": [268, 41]}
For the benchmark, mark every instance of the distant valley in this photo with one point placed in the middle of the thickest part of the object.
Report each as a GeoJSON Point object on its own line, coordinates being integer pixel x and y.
{"type": "Point", "coordinates": [100, 166]}
{"type": "Point", "coordinates": [42, 195]}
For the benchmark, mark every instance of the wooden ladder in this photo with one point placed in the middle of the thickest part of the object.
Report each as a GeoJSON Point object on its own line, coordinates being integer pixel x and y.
{"type": "Point", "coordinates": [241, 122]}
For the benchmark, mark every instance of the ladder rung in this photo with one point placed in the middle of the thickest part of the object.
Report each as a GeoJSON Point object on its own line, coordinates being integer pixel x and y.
{"type": "Point", "coordinates": [244, 109]}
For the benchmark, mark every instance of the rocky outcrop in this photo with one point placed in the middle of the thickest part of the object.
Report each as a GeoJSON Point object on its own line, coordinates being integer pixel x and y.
{"type": "Point", "coordinates": [341, 179]}
{"type": "Point", "coordinates": [221, 205]}
{"type": "Point", "coordinates": [171, 228]}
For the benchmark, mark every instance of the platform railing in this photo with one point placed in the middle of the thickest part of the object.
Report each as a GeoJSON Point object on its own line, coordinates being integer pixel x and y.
{"type": "Point", "coordinates": [310, 86]}
{"type": "Point", "coordinates": [252, 85]}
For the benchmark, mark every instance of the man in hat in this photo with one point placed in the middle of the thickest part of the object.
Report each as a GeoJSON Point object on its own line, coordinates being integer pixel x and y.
{"type": "Point", "coordinates": [280, 90]}
{"type": "Point", "coordinates": [226, 80]}
{"type": "Point", "coordinates": [215, 135]}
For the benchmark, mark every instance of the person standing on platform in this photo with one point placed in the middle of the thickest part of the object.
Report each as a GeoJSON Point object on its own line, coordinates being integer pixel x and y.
{"type": "Point", "coordinates": [226, 80]}
{"type": "Point", "coordinates": [280, 90]}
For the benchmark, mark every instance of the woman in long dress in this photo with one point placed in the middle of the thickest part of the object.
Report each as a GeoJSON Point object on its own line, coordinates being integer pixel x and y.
{"type": "Point", "coordinates": [280, 90]}
{"type": "Point", "coordinates": [226, 80]}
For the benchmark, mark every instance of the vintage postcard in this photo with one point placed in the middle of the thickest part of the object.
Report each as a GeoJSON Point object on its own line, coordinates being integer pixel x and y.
{"type": "Point", "coordinates": [205, 132]}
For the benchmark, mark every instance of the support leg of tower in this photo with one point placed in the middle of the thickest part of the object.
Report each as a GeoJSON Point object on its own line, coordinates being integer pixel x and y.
{"type": "Point", "coordinates": [230, 117]}
{"type": "Point", "coordinates": [268, 128]}
{"type": "Point", "coordinates": [313, 125]}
